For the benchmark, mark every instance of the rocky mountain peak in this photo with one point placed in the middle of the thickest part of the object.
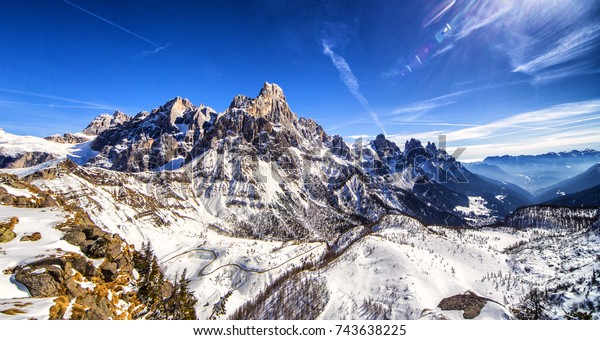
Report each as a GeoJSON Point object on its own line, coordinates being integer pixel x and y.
{"type": "Point", "coordinates": [104, 122]}
{"type": "Point", "coordinates": [270, 104]}
{"type": "Point", "coordinates": [412, 144]}
{"type": "Point", "coordinates": [175, 108]}
{"type": "Point", "coordinates": [271, 91]}
{"type": "Point", "coordinates": [431, 146]}
{"type": "Point", "coordinates": [240, 102]}
{"type": "Point", "coordinates": [385, 147]}
{"type": "Point", "coordinates": [119, 117]}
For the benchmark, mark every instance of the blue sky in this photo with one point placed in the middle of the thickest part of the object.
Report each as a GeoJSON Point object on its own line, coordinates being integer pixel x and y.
{"type": "Point", "coordinates": [495, 76]}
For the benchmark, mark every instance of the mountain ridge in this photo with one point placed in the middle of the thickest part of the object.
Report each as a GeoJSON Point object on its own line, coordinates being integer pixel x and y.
{"type": "Point", "coordinates": [259, 160]}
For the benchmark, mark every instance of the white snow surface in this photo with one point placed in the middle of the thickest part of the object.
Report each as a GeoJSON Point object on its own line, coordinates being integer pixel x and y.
{"type": "Point", "coordinates": [477, 210]}
{"type": "Point", "coordinates": [407, 268]}
{"type": "Point", "coordinates": [26, 308]}
{"type": "Point", "coordinates": [174, 164]}
{"type": "Point", "coordinates": [13, 145]}
{"type": "Point", "coordinates": [476, 207]}
{"type": "Point", "coordinates": [17, 192]}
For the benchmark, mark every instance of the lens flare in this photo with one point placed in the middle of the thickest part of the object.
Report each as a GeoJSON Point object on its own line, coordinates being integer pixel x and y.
{"type": "Point", "coordinates": [443, 33]}
{"type": "Point", "coordinates": [435, 44]}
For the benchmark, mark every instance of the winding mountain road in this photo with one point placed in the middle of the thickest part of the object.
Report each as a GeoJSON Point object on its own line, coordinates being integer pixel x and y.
{"type": "Point", "coordinates": [248, 270]}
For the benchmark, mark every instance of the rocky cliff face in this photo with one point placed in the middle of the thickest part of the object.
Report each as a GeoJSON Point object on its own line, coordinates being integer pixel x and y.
{"type": "Point", "coordinates": [68, 138]}
{"type": "Point", "coordinates": [25, 159]}
{"type": "Point", "coordinates": [149, 140]}
{"type": "Point", "coordinates": [178, 130]}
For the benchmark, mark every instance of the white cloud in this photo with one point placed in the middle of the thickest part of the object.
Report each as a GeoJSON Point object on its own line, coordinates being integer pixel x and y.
{"type": "Point", "coordinates": [558, 128]}
{"type": "Point", "coordinates": [576, 44]}
{"type": "Point", "coordinates": [355, 137]}
{"type": "Point", "coordinates": [562, 127]}
{"type": "Point", "coordinates": [444, 50]}
{"type": "Point", "coordinates": [351, 82]}
{"type": "Point", "coordinates": [420, 107]}
{"type": "Point", "coordinates": [477, 15]}
{"type": "Point", "coordinates": [582, 140]}
{"type": "Point", "coordinates": [545, 39]}
{"type": "Point", "coordinates": [86, 104]}
{"type": "Point", "coordinates": [536, 120]}
{"type": "Point", "coordinates": [441, 101]}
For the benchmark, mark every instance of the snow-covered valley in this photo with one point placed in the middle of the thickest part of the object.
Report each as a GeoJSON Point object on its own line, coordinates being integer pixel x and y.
{"type": "Point", "coordinates": [396, 268]}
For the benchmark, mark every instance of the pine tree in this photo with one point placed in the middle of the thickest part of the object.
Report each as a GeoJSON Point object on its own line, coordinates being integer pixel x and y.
{"type": "Point", "coordinates": [534, 306]}
{"type": "Point", "coordinates": [185, 299]}
{"type": "Point", "coordinates": [153, 290]}
{"type": "Point", "coordinates": [179, 305]}
{"type": "Point", "coordinates": [150, 282]}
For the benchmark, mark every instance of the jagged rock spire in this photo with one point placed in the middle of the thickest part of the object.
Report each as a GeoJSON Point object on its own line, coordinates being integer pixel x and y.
{"type": "Point", "coordinates": [270, 104]}
{"type": "Point", "coordinates": [175, 108]}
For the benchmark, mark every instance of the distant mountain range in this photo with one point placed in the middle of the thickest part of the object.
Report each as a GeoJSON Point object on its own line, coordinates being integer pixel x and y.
{"type": "Point", "coordinates": [536, 172]}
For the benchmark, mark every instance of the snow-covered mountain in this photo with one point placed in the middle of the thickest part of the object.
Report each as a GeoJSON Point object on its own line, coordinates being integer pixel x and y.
{"type": "Point", "coordinates": [259, 205]}
{"type": "Point", "coordinates": [257, 161]}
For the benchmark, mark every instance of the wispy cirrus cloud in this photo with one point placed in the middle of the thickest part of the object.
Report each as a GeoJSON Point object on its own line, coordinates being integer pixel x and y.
{"type": "Point", "coordinates": [443, 100]}
{"type": "Point", "coordinates": [575, 45]}
{"type": "Point", "coordinates": [154, 51]}
{"type": "Point", "coordinates": [47, 105]}
{"type": "Point", "coordinates": [556, 128]}
{"type": "Point", "coordinates": [547, 40]}
{"type": "Point", "coordinates": [442, 51]}
{"type": "Point", "coordinates": [410, 114]}
{"type": "Point", "coordinates": [158, 47]}
{"type": "Point", "coordinates": [546, 119]}
{"type": "Point", "coordinates": [351, 82]}
{"type": "Point", "coordinates": [480, 14]}
{"type": "Point", "coordinates": [420, 107]}
{"type": "Point", "coordinates": [46, 113]}
{"type": "Point", "coordinates": [81, 103]}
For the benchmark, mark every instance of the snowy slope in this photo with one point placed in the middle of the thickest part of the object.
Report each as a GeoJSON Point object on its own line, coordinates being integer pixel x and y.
{"type": "Point", "coordinates": [13, 145]}
{"type": "Point", "coordinates": [55, 273]}
{"type": "Point", "coordinates": [400, 269]}
{"type": "Point", "coordinates": [410, 268]}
